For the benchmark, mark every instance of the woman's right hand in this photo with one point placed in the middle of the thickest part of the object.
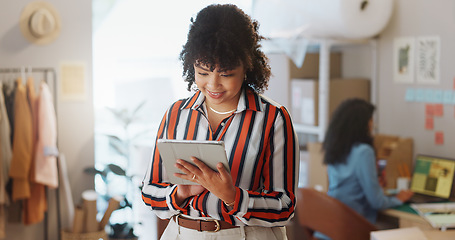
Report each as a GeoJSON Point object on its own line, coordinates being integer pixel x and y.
{"type": "Point", "coordinates": [186, 191]}
{"type": "Point", "coordinates": [404, 195]}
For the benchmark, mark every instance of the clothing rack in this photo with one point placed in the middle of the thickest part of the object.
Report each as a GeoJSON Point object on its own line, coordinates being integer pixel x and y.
{"type": "Point", "coordinates": [46, 72]}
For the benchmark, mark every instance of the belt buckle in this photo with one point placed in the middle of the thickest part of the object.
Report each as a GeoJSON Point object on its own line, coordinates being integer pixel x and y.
{"type": "Point", "coordinates": [177, 218]}
{"type": "Point", "coordinates": [218, 226]}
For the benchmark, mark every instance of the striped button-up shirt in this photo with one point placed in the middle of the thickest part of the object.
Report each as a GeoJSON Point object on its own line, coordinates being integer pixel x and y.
{"type": "Point", "coordinates": [263, 154]}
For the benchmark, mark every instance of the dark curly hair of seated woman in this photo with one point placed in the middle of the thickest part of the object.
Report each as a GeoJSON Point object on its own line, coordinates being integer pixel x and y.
{"type": "Point", "coordinates": [224, 35]}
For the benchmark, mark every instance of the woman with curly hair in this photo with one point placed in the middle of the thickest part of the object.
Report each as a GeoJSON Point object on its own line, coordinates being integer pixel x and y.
{"type": "Point", "coordinates": [223, 63]}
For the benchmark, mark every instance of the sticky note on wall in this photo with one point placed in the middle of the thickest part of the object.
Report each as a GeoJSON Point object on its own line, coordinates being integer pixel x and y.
{"type": "Point", "coordinates": [429, 123]}
{"type": "Point", "coordinates": [438, 110]}
{"type": "Point", "coordinates": [429, 95]}
{"type": "Point", "coordinates": [410, 95]}
{"type": "Point", "coordinates": [437, 96]}
{"type": "Point", "coordinates": [447, 98]}
{"type": "Point", "coordinates": [419, 95]}
{"type": "Point", "coordinates": [439, 138]}
{"type": "Point", "coordinates": [429, 110]}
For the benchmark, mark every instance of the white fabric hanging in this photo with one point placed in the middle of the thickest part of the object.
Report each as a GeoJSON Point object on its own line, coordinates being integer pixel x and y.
{"type": "Point", "coordinates": [46, 171]}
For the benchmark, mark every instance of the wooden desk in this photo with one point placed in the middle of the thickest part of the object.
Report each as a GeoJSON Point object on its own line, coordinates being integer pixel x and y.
{"type": "Point", "coordinates": [406, 219]}
{"type": "Point", "coordinates": [439, 235]}
{"type": "Point", "coordinates": [411, 233]}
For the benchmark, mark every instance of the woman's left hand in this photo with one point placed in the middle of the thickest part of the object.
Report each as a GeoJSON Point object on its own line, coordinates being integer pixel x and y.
{"type": "Point", "coordinates": [217, 182]}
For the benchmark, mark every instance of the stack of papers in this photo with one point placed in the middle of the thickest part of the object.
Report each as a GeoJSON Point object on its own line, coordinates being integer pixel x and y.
{"type": "Point", "coordinates": [439, 215]}
{"type": "Point", "coordinates": [412, 233]}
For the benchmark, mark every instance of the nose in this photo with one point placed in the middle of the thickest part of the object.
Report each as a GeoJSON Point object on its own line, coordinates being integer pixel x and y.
{"type": "Point", "coordinates": [213, 81]}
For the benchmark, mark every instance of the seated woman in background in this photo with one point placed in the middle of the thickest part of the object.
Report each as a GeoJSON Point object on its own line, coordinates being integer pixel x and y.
{"type": "Point", "coordinates": [351, 162]}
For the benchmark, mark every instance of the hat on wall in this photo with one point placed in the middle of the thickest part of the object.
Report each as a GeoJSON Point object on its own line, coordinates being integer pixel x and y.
{"type": "Point", "coordinates": [40, 22]}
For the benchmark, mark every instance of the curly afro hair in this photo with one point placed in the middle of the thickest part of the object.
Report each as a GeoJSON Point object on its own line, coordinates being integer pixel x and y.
{"type": "Point", "coordinates": [224, 36]}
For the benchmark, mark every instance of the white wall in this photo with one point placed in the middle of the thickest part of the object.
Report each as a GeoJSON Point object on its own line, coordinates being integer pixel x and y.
{"type": "Point", "coordinates": [75, 119]}
{"type": "Point", "coordinates": [413, 18]}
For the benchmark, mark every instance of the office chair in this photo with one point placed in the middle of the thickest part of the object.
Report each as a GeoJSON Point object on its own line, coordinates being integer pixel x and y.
{"type": "Point", "coordinates": [317, 211]}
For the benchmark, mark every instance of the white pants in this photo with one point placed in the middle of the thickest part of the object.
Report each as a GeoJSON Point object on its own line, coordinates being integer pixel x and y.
{"type": "Point", "coordinates": [176, 232]}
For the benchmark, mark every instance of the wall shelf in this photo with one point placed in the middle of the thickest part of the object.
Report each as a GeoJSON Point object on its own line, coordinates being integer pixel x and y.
{"type": "Point", "coordinates": [324, 47]}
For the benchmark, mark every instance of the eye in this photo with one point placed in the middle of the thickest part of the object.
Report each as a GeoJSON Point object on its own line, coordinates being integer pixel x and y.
{"type": "Point", "coordinates": [203, 73]}
{"type": "Point", "coordinates": [227, 75]}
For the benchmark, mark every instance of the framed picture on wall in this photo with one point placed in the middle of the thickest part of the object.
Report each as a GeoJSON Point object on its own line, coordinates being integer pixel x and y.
{"type": "Point", "coordinates": [403, 59]}
{"type": "Point", "coordinates": [428, 59]}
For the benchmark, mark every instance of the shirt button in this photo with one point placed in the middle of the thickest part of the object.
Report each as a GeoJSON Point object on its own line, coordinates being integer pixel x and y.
{"type": "Point", "coordinates": [222, 124]}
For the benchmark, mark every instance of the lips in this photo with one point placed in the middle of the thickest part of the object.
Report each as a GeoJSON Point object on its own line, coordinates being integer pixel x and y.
{"type": "Point", "coordinates": [215, 95]}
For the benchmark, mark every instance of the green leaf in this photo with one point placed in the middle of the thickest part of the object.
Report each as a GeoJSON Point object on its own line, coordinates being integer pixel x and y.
{"type": "Point", "coordinates": [118, 145]}
{"type": "Point", "coordinates": [118, 113]}
{"type": "Point", "coordinates": [92, 171]}
{"type": "Point", "coordinates": [138, 108]}
{"type": "Point", "coordinates": [116, 169]}
{"type": "Point", "coordinates": [140, 134]}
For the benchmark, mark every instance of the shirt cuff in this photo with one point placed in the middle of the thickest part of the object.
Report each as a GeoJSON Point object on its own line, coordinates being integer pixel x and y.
{"type": "Point", "coordinates": [172, 203]}
{"type": "Point", "coordinates": [396, 202]}
{"type": "Point", "coordinates": [241, 205]}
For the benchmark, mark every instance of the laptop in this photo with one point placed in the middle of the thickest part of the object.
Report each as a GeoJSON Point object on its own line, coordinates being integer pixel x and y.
{"type": "Point", "coordinates": [432, 179]}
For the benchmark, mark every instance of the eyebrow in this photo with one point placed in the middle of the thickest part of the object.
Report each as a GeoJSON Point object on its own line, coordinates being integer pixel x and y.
{"type": "Point", "coordinates": [205, 69]}
{"type": "Point", "coordinates": [208, 70]}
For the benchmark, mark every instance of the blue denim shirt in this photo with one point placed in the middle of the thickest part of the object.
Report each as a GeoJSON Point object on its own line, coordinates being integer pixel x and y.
{"type": "Point", "coordinates": [355, 183]}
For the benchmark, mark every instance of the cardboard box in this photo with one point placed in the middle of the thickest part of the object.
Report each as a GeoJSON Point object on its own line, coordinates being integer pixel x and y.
{"type": "Point", "coordinates": [305, 97]}
{"type": "Point", "coordinates": [317, 170]}
{"type": "Point", "coordinates": [310, 66]}
{"type": "Point", "coordinates": [283, 70]}
{"type": "Point", "coordinates": [397, 152]}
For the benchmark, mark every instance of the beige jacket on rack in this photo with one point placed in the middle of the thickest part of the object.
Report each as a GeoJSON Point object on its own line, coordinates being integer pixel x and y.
{"type": "Point", "coordinates": [22, 144]}
{"type": "Point", "coordinates": [35, 207]}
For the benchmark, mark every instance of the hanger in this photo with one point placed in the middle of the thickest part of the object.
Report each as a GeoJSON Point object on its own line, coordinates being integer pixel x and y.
{"type": "Point", "coordinates": [22, 77]}
{"type": "Point", "coordinates": [29, 72]}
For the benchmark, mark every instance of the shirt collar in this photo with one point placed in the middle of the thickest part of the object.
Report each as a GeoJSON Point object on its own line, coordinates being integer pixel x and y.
{"type": "Point", "coordinates": [249, 100]}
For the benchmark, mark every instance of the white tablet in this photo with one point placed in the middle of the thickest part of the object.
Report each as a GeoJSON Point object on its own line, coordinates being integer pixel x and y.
{"type": "Point", "coordinates": [209, 152]}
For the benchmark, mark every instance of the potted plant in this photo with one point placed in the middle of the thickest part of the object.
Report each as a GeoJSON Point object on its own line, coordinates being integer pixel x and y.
{"type": "Point", "coordinates": [115, 177]}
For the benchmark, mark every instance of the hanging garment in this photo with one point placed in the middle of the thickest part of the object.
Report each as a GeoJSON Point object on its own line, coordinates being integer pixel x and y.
{"type": "Point", "coordinates": [22, 145]}
{"type": "Point", "coordinates": [6, 152]}
{"type": "Point", "coordinates": [9, 92]}
{"type": "Point", "coordinates": [66, 203]}
{"type": "Point", "coordinates": [2, 222]}
{"type": "Point", "coordinates": [35, 207]}
{"type": "Point", "coordinates": [46, 171]}
{"type": "Point", "coordinates": [14, 212]}
{"type": "Point", "coordinates": [5, 156]}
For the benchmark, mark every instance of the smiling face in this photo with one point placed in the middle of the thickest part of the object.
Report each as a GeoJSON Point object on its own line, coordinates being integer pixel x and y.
{"type": "Point", "coordinates": [221, 88]}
